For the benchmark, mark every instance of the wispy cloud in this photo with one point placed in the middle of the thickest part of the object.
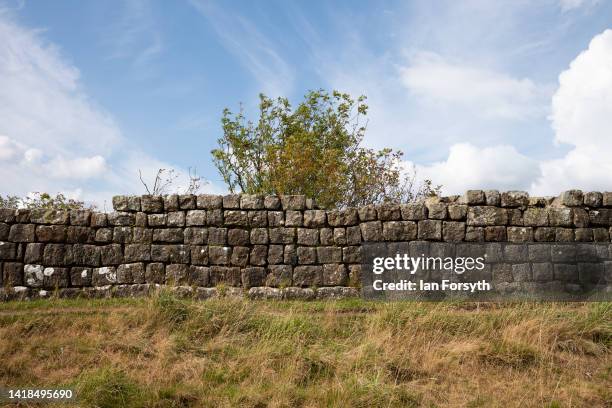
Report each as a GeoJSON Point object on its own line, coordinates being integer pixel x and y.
{"type": "Point", "coordinates": [255, 51]}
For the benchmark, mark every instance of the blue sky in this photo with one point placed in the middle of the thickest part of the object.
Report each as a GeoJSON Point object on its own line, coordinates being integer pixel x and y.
{"type": "Point", "coordinates": [92, 91]}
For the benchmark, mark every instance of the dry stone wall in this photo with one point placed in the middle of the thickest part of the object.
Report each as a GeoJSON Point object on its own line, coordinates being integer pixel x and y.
{"type": "Point", "coordinates": [272, 247]}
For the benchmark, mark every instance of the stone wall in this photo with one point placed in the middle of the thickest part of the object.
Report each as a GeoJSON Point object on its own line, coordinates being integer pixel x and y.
{"type": "Point", "coordinates": [279, 247]}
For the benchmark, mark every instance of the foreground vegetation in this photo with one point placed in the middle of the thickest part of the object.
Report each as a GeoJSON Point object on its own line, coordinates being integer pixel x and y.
{"type": "Point", "coordinates": [166, 352]}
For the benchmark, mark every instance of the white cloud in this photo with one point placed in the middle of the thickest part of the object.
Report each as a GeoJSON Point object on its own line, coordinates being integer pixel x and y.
{"type": "Point", "coordinates": [567, 5]}
{"type": "Point", "coordinates": [470, 167]}
{"type": "Point", "coordinates": [53, 137]}
{"type": "Point", "coordinates": [430, 77]}
{"type": "Point", "coordinates": [582, 117]}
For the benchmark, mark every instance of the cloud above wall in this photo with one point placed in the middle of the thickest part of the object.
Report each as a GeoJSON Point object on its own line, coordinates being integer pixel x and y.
{"type": "Point", "coordinates": [581, 117]}
{"type": "Point", "coordinates": [53, 137]}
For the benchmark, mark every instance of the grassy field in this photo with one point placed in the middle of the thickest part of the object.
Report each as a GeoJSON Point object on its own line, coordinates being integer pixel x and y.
{"type": "Point", "coordinates": [166, 352]}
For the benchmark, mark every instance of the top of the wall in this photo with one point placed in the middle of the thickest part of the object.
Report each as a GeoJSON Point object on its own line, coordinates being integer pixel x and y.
{"type": "Point", "coordinates": [507, 199]}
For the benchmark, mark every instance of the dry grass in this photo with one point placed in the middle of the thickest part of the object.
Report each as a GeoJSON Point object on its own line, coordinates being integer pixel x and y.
{"type": "Point", "coordinates": [166, 352]}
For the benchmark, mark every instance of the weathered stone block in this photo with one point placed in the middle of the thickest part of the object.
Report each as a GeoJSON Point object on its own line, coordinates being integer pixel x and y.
{"type": "Point", "coordinates": [240, 256]}
{"type": "Point", "coordinates": [80, 217]}
{"type": "Point", "coordinates": [12, 273]}
{"type": "Point", "coordinates": [515, 253]}
{"type": "Point", "coordinates": [199, 275]}
{"type": "Point", "coordinates": [170, 235]}
{"type": "Point", "coordinates": [487, 216]}
{"type": "Point", "coordinates": [156, 220]}
{"type": "Point", "coordinates": [353, 235]}
{"type": "Point", "coordinates": [106, 275]}
{"type": "Point", "coordinates": [121, 219]}
{"type": "Point", "coordinates": [126, 203]}
{"type": "Point", "coordinates": [259, 255]}
{"type": "Point", "coordinates": [351, 254]}
{"type": "Point", "coordinates": [42, 216]}
{"type": "Point", "coordinates": [535, 217]}
{"type": "Point", "coordinates": [502, 272]}
{"type": "Point", "coordinates": [542, 271]}
{"type": "Point", "coordinates": [86, 255]}
{"type": "Point", "coordinates": [581, 218]}
{"type": "Point", "coordinates": [564, 235]}
{"type": "Point", "coordinates": [195, 218]}
{"type": "Point", "coordinates": [33, 253]}
{"type": "Point", "coordinates": [104, 235]}
{"type": "Point", "coordinates": [99, 220]}
{"type": "Point", "coordinates": [141, 219]}
{"type": "Point", "coordinates": [583, 235]}
{"type": "Point", "coordinates": [225, 275]}
{"type": "Point", "coordinates": [282, 235]}
{"type": "Point", "coordinates": [493, 197]}
{"type": "Point", "coordinates": [560, 217]}
{"type": "Point", "coordinates": [308, 236]}
{"type": "Point", "coordinates": [171, 202]}
{"type": "Point", "coordinates": [131, 273]}
{"type": "Point", "coordinates": [177, 274]}
{"type": "Point", "coordinates": [521, 272]}
{"type": "Point", "coordinates": [306, 255]}
{"type": "Point", "coordinates": [290, 255]}
{"type": "Point", "coordinates": [293, 218]}
{"type": "Point", "coordinates": [591, 273]}
{"type": "Point", "coordinates": [50, 233]}
{"type": "Point", "coordinates": [474, 234]}
{"type": "Point", "coordinates": [258, 236]}
{"type": "Point", "coordinates": [275, 254]}
{"type": "Point", "coordinates": [601, 235]}
{"type": "Point", "coordinates": [340, 236]}
{"type": "Point", "coordinates": [520, 234]}
{"type": "Point", "coordinates": [136, 252]}
{"type": "Point", "coordinates": [170, 253]}
{"type": "Point", "coordinates": [4, 231]}
{"type": "Point", "coordinates": [251, 202]}
{"type": "Point", "coordinates": [544, 234]}
{"type": "Point", "coordinates": [231, 201]}
{"type": "Point", "coordinates": [515, 217]}
{"type": "Point", "coordinates": [253, 276]}
{"type": "Point", "coordinates": [276, 218]}
{"type": "Point", "coordinates": [155, 273]}
{"type": "Point", "coordinates": [80, 235]}
{"type": "Point", "coordinates": [258, 218]}
{"type": "Point", "coordinates": [389, 212]}
{"type": "Point", "coordinates": [293, 202]}
{"type": "Point", "coordinates": [80, 276]}
{"type": "Point", "coordinates": [199, 255]}
{"type": "Point", "coordinates": [457, 212]}
{"type": "Point", "coordinates": [187, 202]}
{"type": "Point", "coordinates": [453, 231]}
{"type": "Point", "coordinates": [329, 254]}
{"type": "Point", "coordinates": [399, 230]}
{"type": "Point", "coordinates": [209, 201]}
{"type": "Point", "coordinates": [238, 236]}
{"type": "Point", "coordinates": [314, 218]}
{"type": "Point", "coordinates": [236, 218]}
{"type": "Point", "coordinates": [413, 211]}
{"type": "Point", "coordinates": [111, 254]}
{"type": "Point", "coordinates": [514, 199]}
{"type": "Point", "coordinates": [572, 198]}
{"type": "Point", "coordinates": [219, 255]}
{"type": "Point", "coordinates": [272, 202]}
{"type": "Point", "coordinates": [593, 199]}
{"type": "Point", "coordinates": [436, 210]}
{"type": "Point", "coordinates": [22, 233]}
{"type": "Point", "coordinates": [371, 231]}
{"type": "Point", "coordinates": [343, 218]}
{"type": "Point", "coordinates": [279, 275]}
{"type": "Point", "coordinates": [54, 277]}
{"type": "Point", "coordinates": [195, 236]}
{"type": "Point", "coordinates": [57, 255]}
{"type": "Point", "coordinates": [430, 230]}
{"type": "Point", "coordinates": [565, 272]}
{"type": "Point", "coordinates": [217, 236]}
{"type": "Point", "coordinates": [308, 275]}
{"type": "Point", "coordinates": [326, 236]}
{"type": "Point", "coordinates": [474, 197]}
{"type": "Point", "coordinates": [563, 253]}
{"type": "Point", "coordinates": [7, 215]}
{"type": "Point", "coordinates": [33, 275]}
{"type": "Point", "coordinates": [214, 217]}
{"type": "Point", "coordinates": [335, 275]}
{"type": "Point", "coordinates": [539, 252]}
{"type": "Point", "coordinates": [368, 213]}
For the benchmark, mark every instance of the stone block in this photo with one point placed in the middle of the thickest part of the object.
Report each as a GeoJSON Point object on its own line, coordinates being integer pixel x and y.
{"type": "Point", "coordinates": [236, 218]}
{"type": "Point", "coordinates": [371, 231]}
{"type": "Point", "coordinates": [399, 230]}
{"type": "Point", "coordinates": [86, 255]}
{"type": "Point", "coordinates": [155, 273]}
{"type": "Point", "coordinates": [251, 202]}
{"type": "Point", "coordinates": [272, 202]}
{"type": "Point", "coordinates": [544, 234]}
{"type": "Point", "coordinates": [253, 276]}
{"type": "Point", "coordinates": [217, 236]}
{"type": "Point", "coordinates": [156, 220]}
{"type": "Point", "coordinates": [177, 274]}
{"type": "Point", "coordinates": [50, 233]}
{"type": "Point", "coordinates": [43, 216]}
{"type": "Point", "coordinates": [194, 218]}
{"type": "Point", "coordinates": [187, 202]}
{"type": "Point", "coordinates": [240, 256]}
{"type": "Point", "coordinates": [259, 255]}
{"type": "Point", "coordinates": [57, 255]}
{"type": "Point", "coordinates": [171, 202]}
{"type": "Point", "coordinates": [293, 218]}
{"type": "Point", "coordinates": [33, 275]}
{"type": "Point", "coordinates": [259, 236]}
{"type": "Point", "coordinates": [521, 272]}
{"type": "Point", "coordinates": [351, 254]}
{"type": "Point", "coordinates": [335, 275]}
{"type": "Point", "coordinates": [238, 236]}
{"type": "Point", "coordinates": [563, 253]}
{"type": "Point", "coordinates": [474, 234]}
{"type": "Point", "coordinates": [474, 197]}
{"type": "Point", "coordinates": [195, 236]}
{"type": "Point", "coordinates": [199, 275]}
{"type": "Point", "coordinates": [199, 254]}
{"type": "Point", "coordinates": [275, 254]}
{"type": "Point", "coordinates": [276, 218]}
{"type": "Point", "coordinates": [453, 231]}
{"type": "Point", "coordinates": [542, 271]}
{"type": "Point", "coordinates": [170, 253]}
{"type": "Point", "coordinates": [535, 217]}
{"type": "Point", "coordinates": [81, 217]}
{"type": "Point", "coordinates": [493, 197]}
{"type": "Point", "coordinates": [591, 273]}
{"type": "Point", "coordinates": [290, 255]}
{"type": "Point", "coordinates": [486, 216]}
{"type": "Point", "coordinates": [131, 273]}
{"type": "Point", "coordinates": [314, 218]}
{"type": "Point", "coordinates": [151, 204]}
{"type": "Point", "coordinates": [565, 272]}
{"type": "Point", "coordinates": [80, 276]}
{"type": "Point", "coordinates": [54, 277]}
{"type": "Point", "coordinates": [329, 254]}
{"type": "Point", "coordinates": [326, 236]}
{"type": "Point", "coordinates": [22, 233]}
{"type": "Point", "coordinates": [516, 253]}
{"type": "Point", "coordinates": [258, 218]}
{"type": "Point", "coordinates": [515, 199]}
{"type": "Point", "coordinates": [413, 211]}
{"type": "Point", "coordinates": [170, 235]}
{"type": "Point", "coordinates": [209, 201]}
{"type": "Point", "coordinates": [601, 235]}
{"type": "Point", "coordinates": [214, 217]}
{"type": "Point", "coordinates": [135, 252]}
{"type": "Point", "coordinates": [279, 276]}
{"type": "Point", "coordinates": [389, 212]}
{"type": "Point", "coordinates": [340, 236]}
{"type": "Point", "coordinates": [368, 213]}
{"type": "Point", "coordinates": [293, 202]}
{"type": "Point", "coordinates": [104, 235]}
{"type": "Point", "coordinates": [103, 276]}
{"type": "Point", "coordinates": [111, 254]}
{"type": "Point", "coordinates": [593, 199]}
{"type": "Point", "coordinates": [306, 255]}
{"type": "Point", "coordinates": [231, 201]}
{"type": "Point", "coordinates": [80, 235]}
{"type": "Point", "coordinates": [457, 212]}
{"type": "Point", "coordinates": [33, 253]}
{"type": "Point", "coordinates": [219, 255]}
{"type": "Point", "coordinates": [564, 235]}
{"type": "Point", "coordinates": [520, 234]}
{"type": "Point", "coordinates": [308, 275]}
{"type": "Point", "coordinates": [436, 210]}
{"type": "Point", "coordinates": [583, 235]}
{"type": "Point", "coordinates": [430, 230]}
{"type": "Point", "coordinates": [572, 198]}
{"type": "Point", "coordinates": [282, 235]}
{"type": "Point", "coordinates": [224, 275]}
{"type": "Point", "coordinates": [353, 235]}
{"type": "Point", "coordinates": [343, 218]}
{"type": "Point", "coordinates": [12, 273]}
{"type": "Point", "coordinates": [308, 236]}
{"type": "Point", "coordinates": [560, 217]}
